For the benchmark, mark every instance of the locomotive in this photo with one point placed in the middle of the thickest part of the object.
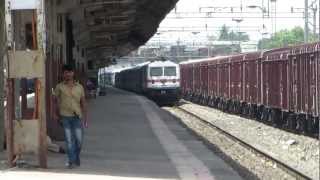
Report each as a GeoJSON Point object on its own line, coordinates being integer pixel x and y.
{"type": "Point", "coordinates": [158, 80]}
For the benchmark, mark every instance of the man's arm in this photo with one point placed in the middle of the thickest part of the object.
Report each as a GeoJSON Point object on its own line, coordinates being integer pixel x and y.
{"type": "Point", "coordinates": [55, 104]}
{"type": "Point", "coordinates": [83, 104]}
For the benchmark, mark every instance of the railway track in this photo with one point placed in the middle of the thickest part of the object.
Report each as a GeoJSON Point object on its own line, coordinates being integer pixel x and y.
{"type": "Point", "coordinates": [284, 167]}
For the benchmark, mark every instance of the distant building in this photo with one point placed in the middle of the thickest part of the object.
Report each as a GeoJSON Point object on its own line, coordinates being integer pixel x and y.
{"type": "Point", "coordinates": [177, 50]}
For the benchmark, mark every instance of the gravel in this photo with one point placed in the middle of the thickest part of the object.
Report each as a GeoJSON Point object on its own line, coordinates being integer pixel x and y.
{"type": "Point", "coordinates": [300, 152]}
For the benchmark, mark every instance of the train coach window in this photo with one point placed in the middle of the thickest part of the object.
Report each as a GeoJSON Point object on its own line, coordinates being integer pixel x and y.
{"type": "Point", "coordinates": [156, 71]}
{"type": "Point", "coordinates": [170, 71]}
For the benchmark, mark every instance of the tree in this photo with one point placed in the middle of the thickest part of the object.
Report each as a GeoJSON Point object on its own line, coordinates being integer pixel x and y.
{"type": "Point", "coordinates": [226, 35]}
{"type": "Point", "coordinates": [284, 38]}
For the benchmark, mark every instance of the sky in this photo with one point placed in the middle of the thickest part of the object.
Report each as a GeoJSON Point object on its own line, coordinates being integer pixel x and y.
{"type": "Point", "coordinates": [252, 26]}
{"type": "Point", "coordinates": [23, 4]}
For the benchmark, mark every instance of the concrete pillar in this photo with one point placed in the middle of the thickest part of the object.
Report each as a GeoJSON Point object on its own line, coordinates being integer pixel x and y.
{"type": "Point", "coordinates": [2, 50]}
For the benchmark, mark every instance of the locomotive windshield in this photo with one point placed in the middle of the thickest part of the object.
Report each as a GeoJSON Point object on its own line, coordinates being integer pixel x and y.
{"type": "Point", "coordinates": [156, 71]}
{"type": "Point", "coordinates": [170, 71]}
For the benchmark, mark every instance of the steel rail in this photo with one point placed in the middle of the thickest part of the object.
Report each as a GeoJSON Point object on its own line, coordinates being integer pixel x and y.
{"type": "Point", "coordinates": [285, 167]}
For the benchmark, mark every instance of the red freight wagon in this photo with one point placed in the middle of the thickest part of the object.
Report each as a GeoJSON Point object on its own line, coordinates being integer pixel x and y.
{"type": "Point", "coordinates": [303, 74]}
{"type": "Point", "coordinates": [183, 80]}
{"type": "Point", "coordinates": [223, 82]}
{"type": "Point", "coordinates": [274, 85]}
{"type": "Point", "coordinates": [196, 79]}
{"type": "Point", "coordinates": [204, 78]}
{"type": "Point", "coordinates": [189, 77]}
{"type": "Point", "coordinates": [236, 77]}
{"type": "Point", "coordinates": [213, 78]}
{"type": "Point", "coordinates": [252, 82]}
{"type": "Point", "coordinates": [317, 99]}
{"type": "Point", "coordinates": [279, 87]}
{"type": "Point", "coordinates": [303, 87]}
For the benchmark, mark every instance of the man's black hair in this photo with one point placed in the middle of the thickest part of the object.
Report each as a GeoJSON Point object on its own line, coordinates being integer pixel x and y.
{"type": "Point", "coordinates": [67, 67]}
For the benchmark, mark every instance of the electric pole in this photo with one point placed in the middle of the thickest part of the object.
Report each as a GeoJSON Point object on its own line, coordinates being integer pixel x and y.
{"type": "Point", "coordinates": [306, 21]}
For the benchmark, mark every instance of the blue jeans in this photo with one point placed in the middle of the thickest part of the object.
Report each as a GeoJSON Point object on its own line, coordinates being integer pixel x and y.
{"type": "Point", "coordinates": [73, 136]}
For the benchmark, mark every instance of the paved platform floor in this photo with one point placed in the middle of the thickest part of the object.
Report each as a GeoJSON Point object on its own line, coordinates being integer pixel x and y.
{"type": "Point", "coordinates": [129, 137]}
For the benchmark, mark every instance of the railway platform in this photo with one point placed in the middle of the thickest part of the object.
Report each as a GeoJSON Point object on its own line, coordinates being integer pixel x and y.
{"type": "Point", "coordinates": [129, 137]}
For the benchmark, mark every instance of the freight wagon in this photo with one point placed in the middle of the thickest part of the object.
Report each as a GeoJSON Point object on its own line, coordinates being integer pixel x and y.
{"type": "Point", "coordinates": [279, 87]}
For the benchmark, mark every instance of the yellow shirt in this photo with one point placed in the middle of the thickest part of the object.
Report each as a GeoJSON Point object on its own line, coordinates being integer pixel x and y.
{"type": "Point", "coordinates": [69, 99]}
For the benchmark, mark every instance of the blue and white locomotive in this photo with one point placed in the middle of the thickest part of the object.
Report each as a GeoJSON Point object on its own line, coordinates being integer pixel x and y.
{"type": "Point", "coordinates": [159, 80]}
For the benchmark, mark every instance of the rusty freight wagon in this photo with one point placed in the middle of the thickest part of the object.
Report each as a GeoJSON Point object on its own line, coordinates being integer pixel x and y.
{"type": "Point", "coordinates": [279, 87]}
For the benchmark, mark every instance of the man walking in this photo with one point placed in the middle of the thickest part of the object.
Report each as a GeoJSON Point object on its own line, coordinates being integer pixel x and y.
{"type": "Point", "coordinates": [70, 99]}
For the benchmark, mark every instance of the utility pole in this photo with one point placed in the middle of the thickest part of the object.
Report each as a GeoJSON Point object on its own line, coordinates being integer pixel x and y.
{"type": "Point", "coordinates": [306, 21]}
{"type": "Point", "coordinates": [2, 52]}
{"type": "Point", "coordinates": [314, 9]}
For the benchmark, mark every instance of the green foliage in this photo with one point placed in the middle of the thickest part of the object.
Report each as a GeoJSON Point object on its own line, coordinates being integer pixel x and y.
{"type": "Point", "coordinates": [227, 35]}
{"type": "Point", "coordinates": [285, 38]}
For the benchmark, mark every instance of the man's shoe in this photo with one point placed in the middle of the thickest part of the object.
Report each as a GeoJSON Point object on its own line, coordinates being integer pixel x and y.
{"type": "Point", "coordinates": [69, 165]}
{"type": "Point", "coordinates": [77, 163]}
